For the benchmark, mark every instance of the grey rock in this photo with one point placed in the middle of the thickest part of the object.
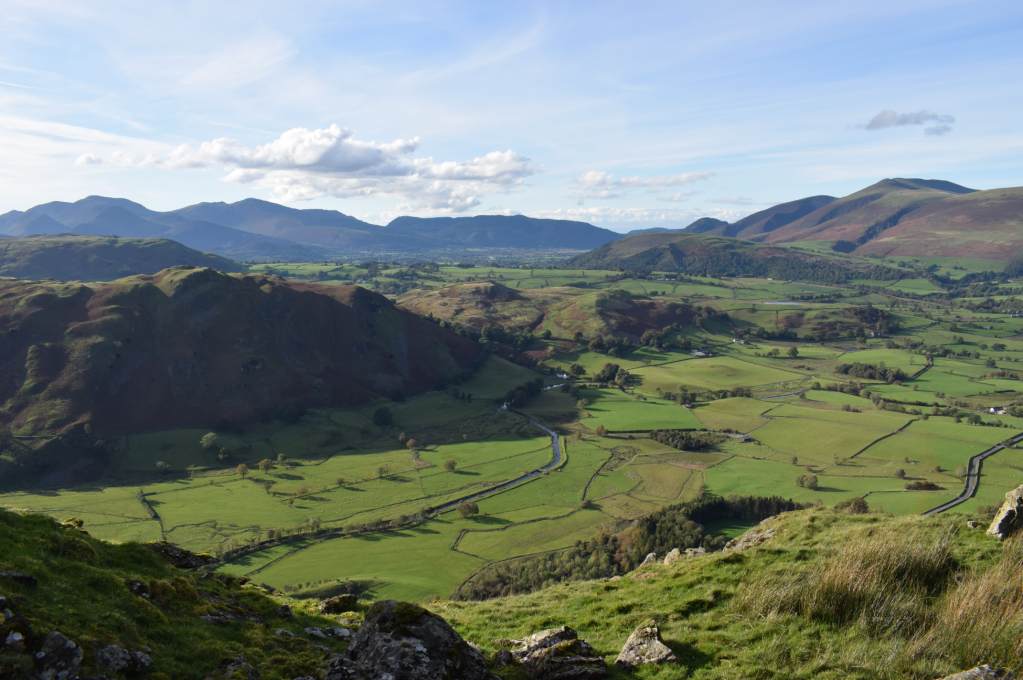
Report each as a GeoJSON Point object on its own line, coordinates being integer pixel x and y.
{"type": "Point", "coordinates": [558, 653]}
{"type": "Point", "coordinates": [306, 677]}
{"type": "Point", "coordinates": [179, 557]}
{"type": "Point", "coordinates": [58, 659]}
{"type": "Point", "coordinates": [650, 559]}
{"type": "Point", "coordinates": [672, 557]}
{"type": "Point", "coordinates": [284, 612]}
{"type": "Point", "coordinates": [403, 641]}
{"type": "Point", "coordinates": [502, 658]}
{"type": "Point", "coordinates": [137, 587]}
{"type": "Point", "coordinates": [236, 668]}
{"type": "Point", "coordinates": [984, 672]}
{"type": "Point", "coordinates": [973, 524]}
{"type": "Point", "coordinates": [339, 604]}
{"type": "Point", "coordinates": [18, 577]}
{"type": "Point", "coordinates": [644, 646]}
{"type": "Point", "coordinates": [1007, 519]}
{"type": "Point", "coordinates": [120, 660]}
{"type": "Point", "coordinates": [751, 538]}
{"type": "Point", "coordinates": [336, 632]}
{"type": "Point", "coordinates": [284, 633]}
{"type": "Point", "coordinates": [615, 578]}
{"type": "Point", "coordinates": [317, 632]}
{"type": "Point", "coordinates": [15, 642]}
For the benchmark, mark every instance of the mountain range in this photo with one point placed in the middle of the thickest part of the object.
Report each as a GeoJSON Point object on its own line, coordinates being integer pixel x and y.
{"type": "Point", "coordinates": [255, 230]}
{"type": "Point", "coordinates": [895, 217]}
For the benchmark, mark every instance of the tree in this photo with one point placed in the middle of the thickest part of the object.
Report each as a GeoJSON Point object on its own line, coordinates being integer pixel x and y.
{"type": "Point", "coordinates": [412, 444]}
{"type": "Point", "coordinates": [267, 485]}
{"type": "Point", "coordinates": [340, 481]}
{"type": "Point", "coordinates": [242, 470]}
{"type": "Point", "coordinates": [383, 470]}
{"type": "Point", "coordinates": [807, 481]}
{"type": "Point", "coordinates": [224, 455]}
{"type": "Point", "coordinates": [577, 336]}
{"type": "Point", "coordinates": [266, 465]}
{"type": "Point", "coordinates": [383, 417]}
{"type": "Point", "coordinates": [301, 490]}
{"type": "Point", "coordinates": [402, 438]}
{"type": "Point", "coordinates": [961, 471]}
{"type": "Point", "coordinates": [793, 352]}
{"type": "Point", "coordinates": [467, 509]}
{"type": "Point", "coordinates": [900, 473]}
{"type": "Point", "coordinates": [575, 370]}
{"type": "Point", "coordinates": [163, 467]}
{"type": "Point", "coordinates": [601, 431]}
{"type": "Point", "coordinates": [547, 334]}
{"type": "Point", "coordinates": [449, 465]}
{"type": "Point", "coordinates": [209, 441]}
{"type": "Point", "coordinates": [795, 460]}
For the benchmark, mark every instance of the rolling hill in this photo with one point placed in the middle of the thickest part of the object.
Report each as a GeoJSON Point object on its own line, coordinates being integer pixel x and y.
{"type": "Point", "coordinates": [716, 256]}
{"type": "Point", "coordinates": [190, 346]}
{"type": "Point", "coordinates": [93, 258]}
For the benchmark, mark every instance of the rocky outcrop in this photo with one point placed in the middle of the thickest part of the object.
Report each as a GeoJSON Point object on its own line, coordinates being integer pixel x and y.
{"type": "Point", "coordinates": [676, 555]}
{"type": "Point", "coordinates": [402, 640]}
{"type": "Point", "coordinates": [1008, 518]}
{"type": "Point", "coordinates": [120, 660]}
{"type": "Point", "coordinates": [179, 557]}
{"type": "Point", "coordinates": [284, 612]}
{"type": "Point", "coordinates": [235, 668]}
{"type": "Point", "coordinates": [650, 559]}
{"type": "Point", "coordinates": [984, 672]}
{"type": "Point", "coordinates": [672, 557]}
{"type": "Point", "coordinates": [643, 647]}
{"type": "Point", "coordinates": [339, 604]}
{"type": "Point", "coordinates": [58, 659]}
{"type": "Point", "coordinates": [752, 538]}
{"type": "Point", "coordinates": [18, 577]}
{"type": "Point", "coordinates": [222, 612]}
{"type": "Point", "coordinates": [558, 653]}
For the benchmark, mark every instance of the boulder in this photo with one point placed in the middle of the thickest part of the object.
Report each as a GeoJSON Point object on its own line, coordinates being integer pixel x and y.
{"type": "Point", "coordinates": [235, 668]}
{"type": "Point", "coordinates": [559, 654]}
{"type": "Point", "coordinates": [336, 632]}
{"type": "Point", "coordinates": [650, 559]}
{"type": "Point", "coordinates": [339, 604]}
{"type": "Point", "coordinates": [1005, 522]}
{"type": "Point", "coordinates": [672, 557]}
{"type": "Point", "coordinates": [402, 640]}
{"type": "Point", "coordinates": [502, 658]}
{"type": "Point", "coordinates": [316, 632]}
{"type": "Point", "coordinates": [137, 587]}
{"type": "Point", "coordinates": [284, 612]}
{"type": "Point", "coordinates": [751, 538]}
{"type": "Point", "coordinates": [120, 660]}
{"type": "Point", "coordinates": [984, 672]}
{"type": "Point", "coordinates": [179, 557]}
{"type": "Point", "coordinates": [644, 646]}
{"type": "Point", "coordinates": [58, 659]}
{"type": "Point", "coordinates": [284, 633]}
{"type": "Point", "coordinates": [973, 524]}
{"type": "Point", "coordinates": [18, 577]}
{"type": "Point", "coordinates": [14, 642]}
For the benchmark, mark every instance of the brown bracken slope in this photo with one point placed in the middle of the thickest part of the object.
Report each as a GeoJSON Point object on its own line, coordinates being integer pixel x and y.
{"type": "Point", "coordinates": [189, 346]}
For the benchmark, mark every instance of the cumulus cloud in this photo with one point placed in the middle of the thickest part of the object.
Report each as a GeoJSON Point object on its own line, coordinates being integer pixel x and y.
{"type": "Point", "coordinates": [302, 164]}
{"type": "Point", "coordinates": [889, 118]}
{"type": "Point", "coordinates": [598, 184]}
{"type": "Point", "coordinates": [679, 197]}
{"type": "Point", "coordinates": [88, 159]}
{"type": "Point", "coordinates": [653, 216]}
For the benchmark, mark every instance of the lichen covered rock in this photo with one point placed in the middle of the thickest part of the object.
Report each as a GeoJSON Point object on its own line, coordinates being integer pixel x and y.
{"type": "Point", "coordinates": [559, 654]}
{"type": "Point", "coordinates": [1008, 518]}
{"type": "Point", "coordinates": [58, 659]}
{"type": "Point", "coordinates": [179, 557]}
{"type": "Point", "coordinates": [644, 646]}
{"type": "Point", "coordinates": [984, 672]}
{"type": "Point", "coordinates": [402, 640]}
{"type": "Point", "coordinates": [339, 604]}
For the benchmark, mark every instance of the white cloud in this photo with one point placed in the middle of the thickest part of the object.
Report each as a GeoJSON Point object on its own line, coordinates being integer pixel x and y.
{"type": "Point", "coordinates": [304, 164]}
{"type": "Point", "coordinates": [679, 197]}
{"type": "Point", "coordinates": [653, 216]}
{"type": "Point", "coordinates": [889, 118]}
{"type": "Point", "coordinates": [598, 184]}
{"type": "Point", "coordinates": [88, 159]}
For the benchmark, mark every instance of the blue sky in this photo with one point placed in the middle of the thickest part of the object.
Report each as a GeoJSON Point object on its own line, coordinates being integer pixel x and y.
{"type": "Point", "coordinates": [625, 115]}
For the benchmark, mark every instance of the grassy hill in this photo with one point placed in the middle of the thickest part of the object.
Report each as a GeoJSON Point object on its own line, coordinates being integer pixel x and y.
{"type": "Point", "coordinates": [718, 256]}
{"type": "Point", "coordinates": [192, 346]}
{"type": "Point", "coordinates": [98, 258]}
{"type": "Point", "coordinates": [820, 594]}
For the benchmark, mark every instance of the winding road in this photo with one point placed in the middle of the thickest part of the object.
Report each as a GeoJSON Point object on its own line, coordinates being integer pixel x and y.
{"type": "Point", "coordinates": [518, 480]}
{"type": "Point", "coordinates": [972, 477]}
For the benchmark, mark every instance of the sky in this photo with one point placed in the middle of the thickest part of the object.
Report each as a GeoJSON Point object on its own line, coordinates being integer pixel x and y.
{"type": "Point", "coordinates": [625, 115]}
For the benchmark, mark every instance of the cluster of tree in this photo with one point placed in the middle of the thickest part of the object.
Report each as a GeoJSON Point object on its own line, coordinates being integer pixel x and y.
{"type": "Point", "coordinates": [678, 526]}
{"type": "Point", "coordinates": [521, 394]}
{"type": "Point", "coordinates": [611, 346]}
{"type": "Point", "coordinates": [520, 340]}
{"type": "Point", "coordinates": [921, 485]}
{"type": "Point", "coordinates": [687, 441]}
{"type": "Point", "coordinates": [682, 396]}
{"type": "Point", "coordinates": [729, 393]}
{"type": "Point", "coordinates": [613, 375]}
{"type": "Point", "coordinates": [872, 372]}
{"type": "Point", "coordinates": [807, 481]}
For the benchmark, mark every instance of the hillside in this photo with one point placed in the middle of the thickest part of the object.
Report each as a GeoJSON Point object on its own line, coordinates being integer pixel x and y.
{"type": "Point", "coordinates": [561, 310]}
{"type": "Point", "coordinates": [191, 346]}
{"type": "Point", "coordinates": [92, 258]}
{"type": "Point", "coordinates": [500, 231]}
{"type": "Point", "coordinates": [861, 216]}
{"type": "Point", "coordinates": [775, 217]}
{"type": "Point", "coordinates": [810, 594]}
{"type": "Point", "coordinates": [717, 256]}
